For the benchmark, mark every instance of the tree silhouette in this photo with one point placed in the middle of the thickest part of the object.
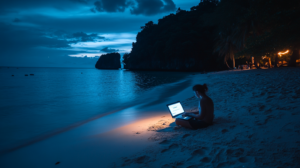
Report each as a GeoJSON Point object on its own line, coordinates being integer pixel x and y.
{"type": "Point", "coordinates": [178, 42]}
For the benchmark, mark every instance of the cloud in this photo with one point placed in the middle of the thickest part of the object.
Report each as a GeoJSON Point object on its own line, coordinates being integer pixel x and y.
{"type": "Point", "coordinates": [83, 37]}
{"type": "Point", "coordinates": [33, 47]}
{"type": "Point", "coordinates": [93, 10]}
{"type": "Point", "coordinates": [16, 20]}
{"type": "Point", "coordinates": [152, 7]}
{"type": "Point", "coordinates": [109, 50]}
{"type": "Point", "coordinates": [137, 7]}
{"type": "Point", "coordinates": [75, 37]}
{"type": "Point", "coordinates": [18, 38]}
{"type": "Point", "coordinates": [91, 23]}
{"type": "Point", "coordinates": [46, 57]}
{"type": "Point", "coordinates": [112, 5]}
{"type": "Point", "coordinates": [80, 1]}
{"type": "Point", "coordinates": [8, 6]}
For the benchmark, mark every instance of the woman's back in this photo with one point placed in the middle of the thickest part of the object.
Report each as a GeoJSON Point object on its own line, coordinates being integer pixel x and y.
{"type": "Point", "coordinates": [208, 106]}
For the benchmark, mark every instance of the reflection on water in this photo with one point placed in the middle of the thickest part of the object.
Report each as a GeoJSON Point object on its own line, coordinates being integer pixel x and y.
{"type": "Point", "coordinates": [54, 98]}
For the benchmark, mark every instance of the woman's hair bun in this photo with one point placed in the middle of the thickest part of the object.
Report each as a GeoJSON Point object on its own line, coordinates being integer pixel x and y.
{"type": "Point", "coordinates": [200, 88]}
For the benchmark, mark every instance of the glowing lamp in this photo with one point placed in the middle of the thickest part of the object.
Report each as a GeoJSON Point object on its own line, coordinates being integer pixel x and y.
{"type": "Point", "coordinates": [283, 53]}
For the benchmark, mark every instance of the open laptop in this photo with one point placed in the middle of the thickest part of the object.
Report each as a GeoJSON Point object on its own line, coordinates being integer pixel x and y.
{"type": "Point", "coordinates": [176, 110]}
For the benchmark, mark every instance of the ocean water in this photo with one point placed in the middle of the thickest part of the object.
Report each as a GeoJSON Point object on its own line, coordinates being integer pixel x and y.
{"type": "Point", "coordinates": [54, 98]}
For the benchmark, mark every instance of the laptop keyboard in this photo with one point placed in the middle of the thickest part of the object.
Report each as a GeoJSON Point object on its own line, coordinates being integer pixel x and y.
{"type": "Point", "coordinates": [183, 117]}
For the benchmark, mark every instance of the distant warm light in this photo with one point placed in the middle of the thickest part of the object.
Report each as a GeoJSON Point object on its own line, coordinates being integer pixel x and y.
{"type": "Point", "coordinates": [283, 53]}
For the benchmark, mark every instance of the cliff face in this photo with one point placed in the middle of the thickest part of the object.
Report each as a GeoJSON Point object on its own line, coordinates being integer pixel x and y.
{"type": "Point", "coordinates": [109, 61]}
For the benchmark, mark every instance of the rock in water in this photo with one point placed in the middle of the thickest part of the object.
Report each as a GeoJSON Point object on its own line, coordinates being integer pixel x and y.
{"type": "Point", "coordinates": [109, 61]}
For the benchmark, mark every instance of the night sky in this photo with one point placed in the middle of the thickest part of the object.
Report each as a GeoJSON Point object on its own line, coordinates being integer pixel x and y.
{"type": "Point", "coordinates": [74, 33]}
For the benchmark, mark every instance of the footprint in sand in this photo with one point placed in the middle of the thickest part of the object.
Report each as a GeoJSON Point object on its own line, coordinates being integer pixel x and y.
{"type": "Point", "coordinates": [193, 166]}
{"type": "Point", "coordinates": [164, 142]}
{"type": "Point", "coordinates": [205, 160]}
{"type": "Point", "coordinates": [162, 124]}
{"type": "Point", "coordinates": [269, 97]}
{"type": "Point", "coordinates": [199, 152]}
{"type": "Point", "coordinates": [142, 159]}
{"type": "Point", "coordinates": [185, 135]}
{"type": "Point", "coordinates": [172, 146]}
{"type": "Point", "coordinates": [235, 152]}
{"type": "Point", "coordinates": [138, 160]}
{"type": "Point", "coordinates": [269, 111]}
{"type": "Point", "coordinates": [172, 165]}
{"type": "Point", "coordinates": [246, 159]}
{"type": "Point", "coordinates": [224, 131]}
{"type": "Point", "coordinates": [262, 107]}
{"type": "Point", "coordinates": [219, 157]}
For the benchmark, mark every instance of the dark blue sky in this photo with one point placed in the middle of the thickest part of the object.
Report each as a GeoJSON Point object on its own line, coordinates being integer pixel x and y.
{"type": "Point", "coordinates": [72, 33]}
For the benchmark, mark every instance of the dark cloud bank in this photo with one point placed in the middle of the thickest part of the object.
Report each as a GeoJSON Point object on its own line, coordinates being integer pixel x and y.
{"type": "Point", "coordinates": [40, 39]}
{"type": "Point", "coordinates": [137, 7]}
{"type": "Point", "coordinates": [109, 50]}
{"type": "Point", "coordinates": [34, 47]}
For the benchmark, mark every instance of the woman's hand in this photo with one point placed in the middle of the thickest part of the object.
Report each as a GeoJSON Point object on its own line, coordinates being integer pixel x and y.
{"type": "Point", "coordinates": [185, 114]}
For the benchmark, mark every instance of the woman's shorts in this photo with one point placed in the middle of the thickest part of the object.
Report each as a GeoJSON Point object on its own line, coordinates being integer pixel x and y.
{"type": "Point", "coordinates": [196, 124]}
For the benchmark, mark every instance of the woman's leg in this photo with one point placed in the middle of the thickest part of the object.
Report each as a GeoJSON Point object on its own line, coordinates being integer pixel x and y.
{"type": "Point", "coordinates": [183, 123]}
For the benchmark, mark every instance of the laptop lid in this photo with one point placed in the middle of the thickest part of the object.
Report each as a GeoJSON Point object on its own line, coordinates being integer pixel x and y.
{"type": "Point", "coordinates": [175, 109]}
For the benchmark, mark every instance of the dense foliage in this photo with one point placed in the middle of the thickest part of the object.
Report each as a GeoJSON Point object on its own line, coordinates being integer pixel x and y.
{"type": "Point", "coordinates": [258, 28]}
{"type": "Point", "coordinates": [178, 42]}
{"type": "Point", "coordinates": [213, 32]}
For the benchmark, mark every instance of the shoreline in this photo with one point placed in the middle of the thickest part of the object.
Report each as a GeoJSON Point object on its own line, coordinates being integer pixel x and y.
{"type": "Point", "coordinates": [181, 83]}
{"type": "Point", "coordinates": [249, 119]}
{"type": "Point", "coordinates": [14, 146]}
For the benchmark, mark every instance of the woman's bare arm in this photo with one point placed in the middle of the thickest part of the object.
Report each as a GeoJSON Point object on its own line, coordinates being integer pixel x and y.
{"type": "Point", "coordinates": [203, 112]}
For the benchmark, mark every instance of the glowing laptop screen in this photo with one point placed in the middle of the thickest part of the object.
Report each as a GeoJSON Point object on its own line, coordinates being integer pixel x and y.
{"type": "Point", "coordinates": [176, 109]}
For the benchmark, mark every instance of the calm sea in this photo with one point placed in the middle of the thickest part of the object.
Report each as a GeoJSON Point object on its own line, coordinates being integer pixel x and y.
{"type": "Point", "coordinates": [54, 98]}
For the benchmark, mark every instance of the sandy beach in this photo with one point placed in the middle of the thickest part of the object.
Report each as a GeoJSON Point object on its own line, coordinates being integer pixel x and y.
{"type": "Point", "coordinates": [256, 125]}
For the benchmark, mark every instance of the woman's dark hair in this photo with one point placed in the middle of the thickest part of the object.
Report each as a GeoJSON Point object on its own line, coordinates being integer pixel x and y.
{"type": "Point", "coordinates": [200, 88]}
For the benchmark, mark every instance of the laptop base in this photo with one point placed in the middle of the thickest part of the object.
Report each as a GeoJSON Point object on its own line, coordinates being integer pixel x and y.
{"type": "Point", "coordinates": [183, 118]}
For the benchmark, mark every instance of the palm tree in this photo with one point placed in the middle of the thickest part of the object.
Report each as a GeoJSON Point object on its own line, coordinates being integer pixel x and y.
{"type": "Point", "coordinates": [235, 23]}
{"type": "Point", "coordinates": [225, 48]}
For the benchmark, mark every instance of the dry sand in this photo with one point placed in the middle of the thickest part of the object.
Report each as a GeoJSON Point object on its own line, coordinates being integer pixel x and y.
{"type": "Point", "coordinates": [256, 125]}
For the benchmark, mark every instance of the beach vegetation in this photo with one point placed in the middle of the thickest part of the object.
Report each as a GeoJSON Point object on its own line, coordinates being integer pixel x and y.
{"type": "Point", "coordinates": [216, 35]}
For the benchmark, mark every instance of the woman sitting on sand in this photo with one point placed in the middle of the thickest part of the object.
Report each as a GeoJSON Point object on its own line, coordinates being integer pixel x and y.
{"type": "Point", "coordinates": [204, 117]}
